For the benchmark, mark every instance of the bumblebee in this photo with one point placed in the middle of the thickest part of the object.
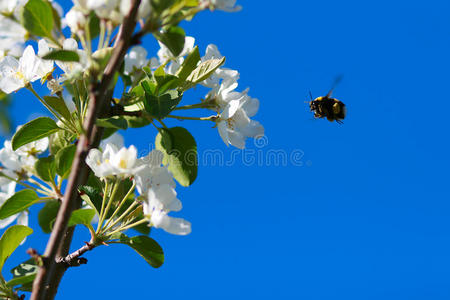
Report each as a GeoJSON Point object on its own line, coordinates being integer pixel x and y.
{"type": "Point", "coordinates": [327, 107]}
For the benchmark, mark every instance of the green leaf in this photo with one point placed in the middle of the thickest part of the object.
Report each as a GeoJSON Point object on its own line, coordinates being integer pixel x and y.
{"type": "Point", "coordinates": [47, 215]}
{"type": "Point", "coordinates": [32, 131]}
{"type": "Point", "coordinates": [11, 239]}
{"type": "Point", "coordinates": [23, 273]}
{"type": "Point", "coordinates": [160, 106]}
{"type": "Point", "coordinates": [59, 140]}
{"type": "Point", "coordinates": [92, 196]}
{"type": "Point", "coordinates": [113, 122]}
{"type": "Point", "coordinates": [58, 105]}
{"type": "Point", "coordinates": [63, 55]}
{"type": "Point", "coordinates": [21, 280]}
{"type": "Point", "coordinates": [94, 25]}
{"type": "Point", "coordinates": [180, 153]}
{"type": "Point", "coordinates": [189, 64]}
{"type": "Point", "coordinates": [146, 247]}
{"type": "Point", "coordinates": [204, 70]}
{"type": "Point", "coordinates": [45, 168]}
{"type": "Point", "coordinates": [137, 93]}
{"type": "Point", "coordinates": [81, 216]}
{"type": "Point", "coordinates": [37, 18]}
{"type": "Point", "coordinates": [136, 122]}
{"type": "Point", "coordinates": [164, 82]}
{"type": "Point", "coordinates": [160, 5]}
{"type": "Point", "coordinates": [64, 160]}
{"type": "Point", "coordinates": [17, 203]}
{"type": "Point", "coordinates": [173, 39]}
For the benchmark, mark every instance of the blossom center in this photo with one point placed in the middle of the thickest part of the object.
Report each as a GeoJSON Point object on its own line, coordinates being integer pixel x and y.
{"type": "Point", "coordinates": [20, 75]}
{"type": "Point", "coordinates": [231, 123]}
{"type": "Point", "coordinates": [123, 164]}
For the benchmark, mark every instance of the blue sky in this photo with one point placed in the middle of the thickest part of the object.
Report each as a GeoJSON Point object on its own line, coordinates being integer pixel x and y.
{"type": "Point", "coordinates": [364, 214]}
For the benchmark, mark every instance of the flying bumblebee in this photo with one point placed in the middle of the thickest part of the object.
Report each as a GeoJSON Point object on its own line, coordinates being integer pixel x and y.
{"type": "Point", "coordinates": [327, 107]}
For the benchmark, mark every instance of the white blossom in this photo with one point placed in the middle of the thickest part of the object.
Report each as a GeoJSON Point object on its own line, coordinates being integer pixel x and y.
{"type": "Point", "coordinates": [121, 162]}
{"type": "Point", "coordinates": [33, 148]}
{"type": "Point", "coordinates": [160, 201]}
{"type": "Point", "coordinates": [15, 74]}
{"type": "Point", "coordinates": [155, 183]}
{"type": "Point", "coordinates": [76, 20]}
{"type": "Point", "coordinates": [9, 7]}
{"type": "Point", "coordinates": [212, 52]}
{"type": "Point", "coordinates": [136, 58]}
{"type": "Point", "coordinates": [99, 161]}
{"type": "Point", "coordinates": [125, 161]}
{"type": "Point", "coordinates": [103, 8]}
{"type": "Point", "coordinates": [225, 5]}
{"type": "Point", "coordinates": [234, 124]}
{"type": "Point", "coordinates": [152, 174]}
{"type": "Point", "coordinates": [24, 158]}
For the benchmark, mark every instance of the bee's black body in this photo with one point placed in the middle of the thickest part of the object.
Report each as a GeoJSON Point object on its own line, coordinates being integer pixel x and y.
{"type": "Point", "coordinates": [327, 107]}
{"type": "Point", "coordinates": [330, 108]}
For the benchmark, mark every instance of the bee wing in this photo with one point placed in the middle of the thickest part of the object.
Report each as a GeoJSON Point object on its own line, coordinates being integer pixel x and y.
{"type": "Point", "coordinates": [336, 82]}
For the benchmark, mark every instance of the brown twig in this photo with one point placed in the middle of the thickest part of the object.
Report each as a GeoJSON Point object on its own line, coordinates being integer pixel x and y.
{"type": "Point", "coordinates": [47, 279]}
{"type": "Point", "coordinates": [73, 259]}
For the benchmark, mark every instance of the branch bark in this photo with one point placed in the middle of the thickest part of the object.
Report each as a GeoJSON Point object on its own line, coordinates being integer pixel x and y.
{"type": "Point", "coordinates": [47, 280]}
{"type": "Point", "coordinates": [73, 259]}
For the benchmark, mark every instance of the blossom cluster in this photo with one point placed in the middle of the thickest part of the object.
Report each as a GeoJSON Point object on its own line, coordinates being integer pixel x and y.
{"type": "Point", "coordinates": [234, 108]}
{"type": "Point", "coordinates": [70, 63]}
{"type": "Point", "coordinates": [154, 183]}
{"type": "Point", "coordinates": [17, 166]}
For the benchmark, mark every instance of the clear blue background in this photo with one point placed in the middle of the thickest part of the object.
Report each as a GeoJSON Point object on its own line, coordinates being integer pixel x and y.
{"type": "Point", "coordinates": [366, 216]}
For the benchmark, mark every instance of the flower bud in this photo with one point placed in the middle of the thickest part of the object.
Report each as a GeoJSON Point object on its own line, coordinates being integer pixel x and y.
{"type": "Point", "coordinates": [75, 20]}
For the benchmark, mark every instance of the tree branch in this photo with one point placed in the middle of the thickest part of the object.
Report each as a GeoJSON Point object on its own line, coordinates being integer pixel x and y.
{"type": "Point", "coordinates": [47, 280]}
{"type": "Point", "coordinates": [74, 259]}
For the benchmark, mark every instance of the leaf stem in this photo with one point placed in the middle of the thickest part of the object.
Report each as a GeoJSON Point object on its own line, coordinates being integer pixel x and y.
{"type": "Point", "coordinates": [108, 205]}
{"type": "Point", "coordinates": [122, 202]}
{"type": "Point", "coordinates": [194, 106]}
{"type": "Point", "coordinates": [101, 38]}
{"type": "Point", "coordinates": [105, 194]}
{"type": "Point", "coordinates": [131, 207]}
{"type": "Point", "coordinates": [162, 123]}
{"type": "Point", "coordinates": [40, 185]}
{"type": "Point", "coordinates": [108, 35]}
{"type": "Point", "coordinates": [210, 118]}
{"type": "Point", "coordinates": [129, 226]}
